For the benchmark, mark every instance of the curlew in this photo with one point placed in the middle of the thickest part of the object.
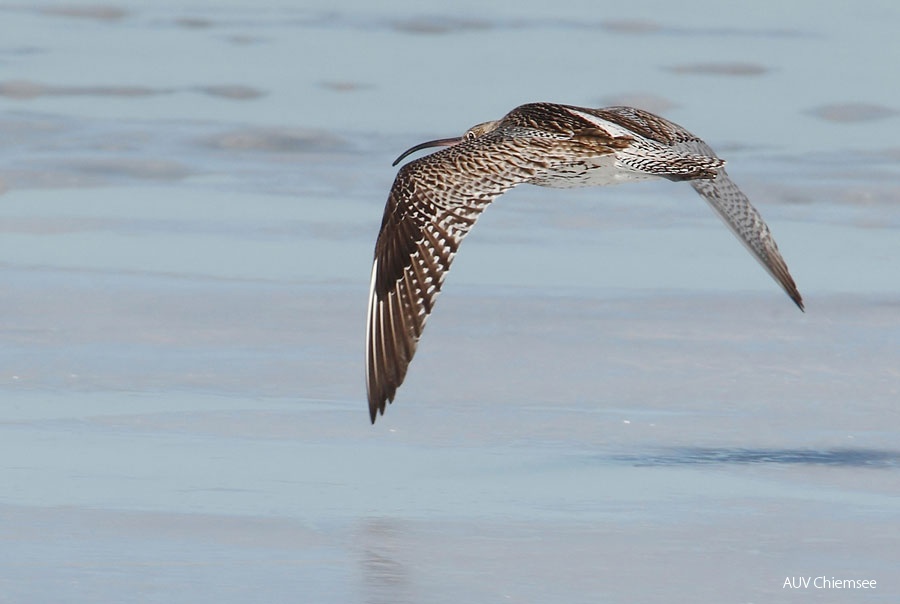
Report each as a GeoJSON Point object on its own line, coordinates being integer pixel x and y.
{"type": "Point", "coordinates": [436, 199]}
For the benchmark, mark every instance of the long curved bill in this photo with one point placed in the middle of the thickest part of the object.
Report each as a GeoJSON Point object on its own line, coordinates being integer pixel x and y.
{"type": "Point", "coordinates": [441, 142]}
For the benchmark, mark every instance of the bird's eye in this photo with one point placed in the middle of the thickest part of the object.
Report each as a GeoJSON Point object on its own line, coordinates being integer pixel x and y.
{"type": "Point", "coordinates": [470, 135]}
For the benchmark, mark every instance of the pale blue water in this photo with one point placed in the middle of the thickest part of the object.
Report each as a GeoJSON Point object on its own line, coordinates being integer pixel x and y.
{"type": "Point", "coordinates": [612, 402]}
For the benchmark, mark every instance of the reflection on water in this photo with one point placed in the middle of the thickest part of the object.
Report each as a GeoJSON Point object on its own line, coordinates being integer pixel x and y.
{"type": "Point", "coordinates": [687, 456]}
{"type": "Point", "coordinates": [101, 12]}
{"type": "Point", "coordinates": [853, 112]}
{"type": "Point", "coordinates": [385, 576]}
{"type": "Point", "coordinates": [27, 90]}
{"type": "Point", "coordinates": [720, 69]}
{"type": "Point", "coordinates": [277, 140]}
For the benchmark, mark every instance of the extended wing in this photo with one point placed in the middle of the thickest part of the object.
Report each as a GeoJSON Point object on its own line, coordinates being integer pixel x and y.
{"type": "Point", "coordinates": [722, 194]}
{"type": "Point", "coordinates": [432, 206]}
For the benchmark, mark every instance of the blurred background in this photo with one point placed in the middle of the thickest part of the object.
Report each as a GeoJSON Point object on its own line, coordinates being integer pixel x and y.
{"type": "Point", "coordinates": [612, 401]}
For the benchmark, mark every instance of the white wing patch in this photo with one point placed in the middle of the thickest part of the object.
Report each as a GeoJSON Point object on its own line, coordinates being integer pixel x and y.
{"type": "Point", "coordinates": [610, 128]}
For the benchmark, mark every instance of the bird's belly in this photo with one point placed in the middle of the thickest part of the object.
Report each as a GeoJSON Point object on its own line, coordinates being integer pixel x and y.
{"type": "Point", "coordinates": [596, 172]}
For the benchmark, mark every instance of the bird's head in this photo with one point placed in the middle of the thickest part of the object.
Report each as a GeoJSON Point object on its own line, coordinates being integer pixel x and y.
{"type": "Point", "coordinates": [473, 132]}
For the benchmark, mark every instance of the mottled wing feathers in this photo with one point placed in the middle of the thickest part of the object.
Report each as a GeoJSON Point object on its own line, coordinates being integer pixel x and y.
{"type": "Point", "coordinates": [722, 194]}
{"type": "Point", "coordinates": [649, 143]}
{"type": "Point", "coordinates": [670, 164]}
{"type": "Point", "coordinates": [548, 120]}
{"type": "Point", "coordinates": [433, 204]}
{"type": "Point", "coordinates": [645, 124]}
{"type": "Point", "coordinates": [733, 207]}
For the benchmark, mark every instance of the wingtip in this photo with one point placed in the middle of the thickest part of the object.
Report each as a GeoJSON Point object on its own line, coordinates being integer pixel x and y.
{"type": "Point", "coordinates": [373, 402]}
{"type": "Point", "coordinates": [793, 293]}
{"type": "Point", "coordinates": [790, 288]}
{"type": "Point", "coordinates": [377, 404]}
{"type": "Point", "coordinates": [375, 410]}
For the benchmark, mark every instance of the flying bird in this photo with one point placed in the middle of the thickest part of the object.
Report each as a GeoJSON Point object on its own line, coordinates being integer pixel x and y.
{"type": "Point", "coordinates": [436, 199]}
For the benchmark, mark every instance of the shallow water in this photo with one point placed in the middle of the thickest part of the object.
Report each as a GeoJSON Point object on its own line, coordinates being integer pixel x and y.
{"type": "Point", "coordinates": [612, 402]}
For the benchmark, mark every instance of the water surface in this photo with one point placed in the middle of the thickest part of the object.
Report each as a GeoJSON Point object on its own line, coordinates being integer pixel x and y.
{"type": "Point", "coordinates": [612, 403]}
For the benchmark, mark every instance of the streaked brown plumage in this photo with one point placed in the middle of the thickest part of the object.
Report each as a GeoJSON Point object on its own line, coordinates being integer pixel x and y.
{"type": "Point", "coordinates": [435, 201]}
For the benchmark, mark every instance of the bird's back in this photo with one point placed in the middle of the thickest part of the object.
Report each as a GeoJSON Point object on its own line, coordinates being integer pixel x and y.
{"type": "Point", "coordinates": [596, 147]}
